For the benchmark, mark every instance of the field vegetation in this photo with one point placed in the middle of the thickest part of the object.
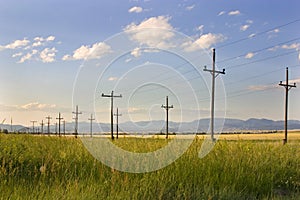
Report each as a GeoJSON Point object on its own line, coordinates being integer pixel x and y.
{"type": "Point", "coordinates": [43, 167]}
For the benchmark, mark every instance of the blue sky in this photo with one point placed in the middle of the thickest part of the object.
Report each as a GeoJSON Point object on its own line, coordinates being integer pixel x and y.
{"type": "Point", "coordinates": [56, 54]}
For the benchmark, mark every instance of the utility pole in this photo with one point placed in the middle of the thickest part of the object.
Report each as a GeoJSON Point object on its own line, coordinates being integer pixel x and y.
{"type": "Point", "coordinates": [111, 111]}
{"type": "Point", "coordinates": [42, 127]}
{"type": "Point", "coordinates": [117, 126]}
{"type": "Point", "coordinates": [33, 126]}
{"type": "Point", "coordinates": [11, 125]}
{"type": "Point", "coordinates": [59, 118]}
{"type": "Point", "coordinates": [48, 123]}
{"type": "Point", "coordinates": [55, 128]}
{"type": "Point", "coordinates": [64, 122]}
{"type": "Point", "coordinates": [91, 126]}
{"type": "Point", "coordinates": [214, 74]}
{"type": "Point", "coordinates": [167, 107]}
{"type": "Point", "coordinates": [287, 89]}
{"type": "Point", "coordinates": [76, 120]}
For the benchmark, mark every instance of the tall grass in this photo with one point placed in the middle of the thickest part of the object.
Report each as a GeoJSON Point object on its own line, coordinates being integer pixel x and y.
{"type": "Point", "coordinates": [33, 167]}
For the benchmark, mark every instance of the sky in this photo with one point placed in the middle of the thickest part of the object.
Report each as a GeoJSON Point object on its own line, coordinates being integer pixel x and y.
{"type": "Point", "coordinates": [55, 55]}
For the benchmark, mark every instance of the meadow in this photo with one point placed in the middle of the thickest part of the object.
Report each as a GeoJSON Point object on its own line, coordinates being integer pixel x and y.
{"type": "Point", "coordinates": [43, 167]}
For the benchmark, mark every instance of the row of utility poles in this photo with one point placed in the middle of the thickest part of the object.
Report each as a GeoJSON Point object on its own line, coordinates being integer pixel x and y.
{"type": "Point", "coordinates": [214, 74]}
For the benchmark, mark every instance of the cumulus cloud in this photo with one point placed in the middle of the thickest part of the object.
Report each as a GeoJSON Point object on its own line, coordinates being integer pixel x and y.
{"type": "Point", "coordinates": [17, 54]}
{"type": "Point", "coordinates": [221, 13]}
{"type": "Point", "coordinates": [16, 44]}
{"type": "Point", "coordinates": [48, 55]}
{"type": "Point", "coordinates": [249, 55]}
{"type": "Point", "coordinates": [191, 7]}
{"type": "Point", "coordinates": [291, 46]}
{"type": "Point", "coordinates": [135, 9]}
{"type": "Point", "coordinates": [203, 42]}
{"type": "Point", "coordinates": [244, 27]}
{"type": "Point", "coordinates": [28, 56]}
{"type": "Point", "coordinates": [145, 34]}
{"type": "Point", "coordinates": [40, 41]}
{"type": "Point", "coordinates": [36, 106]}
{"type": "Point", "coordinates": [234, 12]}
{"type": "Point", "coordinates": [113, 78]}
{"type": "Point", "coordinates": [136, 52]}
{"type": "Point", "coordinates": [86, 52]}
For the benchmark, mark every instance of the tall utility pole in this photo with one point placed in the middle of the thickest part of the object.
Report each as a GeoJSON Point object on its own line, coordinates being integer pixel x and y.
{"type": "Point", "coordinates": [91, 126]}
{"type": "Point", "coordinates": [167, 107]}
{"type": "Point", "coordinates": [111, 111]}
{"type": "Point", "coordinates": [11, 125]}
{"type": "Point", "coordinates": [117, 126]}
{"type": "Point", "coordinates": [76, 120]}
{"type": "Point", "coordinates": [287, 89]}
{"type": "Point", "coordinates": [48, 123]}
{"type": "Point", "coordinates": [59, 118]}
{"type": "Point", "coordinates": [214, 74]}
{"type": "Point", "coordinates": [33, 126]}
{"type": "Point", "coordinates": [42, 127]}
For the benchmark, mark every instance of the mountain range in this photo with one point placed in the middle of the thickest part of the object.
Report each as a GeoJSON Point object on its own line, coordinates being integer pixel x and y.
{"type": "Point", "coordinates": [202, 125]}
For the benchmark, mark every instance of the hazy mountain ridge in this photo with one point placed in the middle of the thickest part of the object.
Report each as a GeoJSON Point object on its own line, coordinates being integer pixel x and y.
{"type": "Point", "coordinates": [157, 126]}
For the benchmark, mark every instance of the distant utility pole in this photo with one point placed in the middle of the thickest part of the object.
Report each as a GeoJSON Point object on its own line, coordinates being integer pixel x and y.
{"type": "Point", "coordinates": [287, 89]}
{"type": "Point", "coordinates": [91, 128]}
{"type": "Point", "coordinates": [76, 120]}
{"type": "Point", "coordinates": [167, 107]}
{"type": "Point", "coordinates": [214, 74]}
{"type": "Point", "coordinates": [33, 126]}
{"type": "Point", "coordinates": [11, 125]}
{"type": "Point", "coordinates": [64, 122]}
{"type": "Point", "coordinates": [55, 128]}
{"type": "Point", "coordinates": [59, 118]}
{"type": "Point", "coordinates": [117, 126]}
{"type": "Point", "coordinates": [42, 127]}
{"type": "Point", "coordinates": [48, 123]}
{"type": "Point", "coordinates": [111, 111]}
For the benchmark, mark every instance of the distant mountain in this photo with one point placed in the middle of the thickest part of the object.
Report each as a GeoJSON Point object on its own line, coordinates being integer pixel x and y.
{"type": "Point", "coordinates": [202, 125]}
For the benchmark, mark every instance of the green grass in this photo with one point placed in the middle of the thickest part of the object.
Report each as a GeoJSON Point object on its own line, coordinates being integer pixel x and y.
{"type": "Point", "coordinates": [233, 170]}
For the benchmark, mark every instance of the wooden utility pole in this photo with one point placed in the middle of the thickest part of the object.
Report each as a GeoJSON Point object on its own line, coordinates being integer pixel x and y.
{"type": "Point", "coordinates": [117, 117]}
{"type": "Point", "coordinates": [76, 120]}
{"type": "Point", "coordinates": [33, 126]}
{"type": "Point", "coordinates": [214, 74]}
{"type": "Point", "coordinates": [111, 111]}
{"type": "Point", "coordinates": [48, 123]}
{"type": "Point", "coordinates": [91, 126]}
{"type": "Point", "coordinates": [167, 107]}
{"type": "Point", "coordinates": [64, 122]}
{"type": "Point", "coordinates": [42, 127]}
{"type": "Point", "coordinates": [287, 89]}
{"type": "Point", "coordinates": [59, 119]}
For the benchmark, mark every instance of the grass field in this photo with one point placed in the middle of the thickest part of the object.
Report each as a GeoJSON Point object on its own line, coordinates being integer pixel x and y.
{"type": "Point", "coordinates": [42, 167]}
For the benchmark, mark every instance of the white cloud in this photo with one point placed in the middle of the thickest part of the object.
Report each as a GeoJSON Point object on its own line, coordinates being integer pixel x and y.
{"type": "Point", "coordinates": [36, 106]}
{"type": "Point", "coordinates": [249, 21]}
{"type": "Point", "coordinates": [145, 34]}
{"type": "Point", "coordinates": [17, 54]}
{"type": "Point", "coordinates": [249, 55]}
{"type": "Point", "coordinates": [261, 87]}
{"type": "Point", "coordinates": [200, 28]}
{"type": "Point", "coordinates": [203, 42]}
{"type": "Point", "coordinates": [113, 78]}
{"type": "Point", "coordinates": [244, 27]}
{"type": "Point", "coordinates": [274, 48]}
{"type": "Point", "coordinates": [40, 41]}
{"type": "Point", "coordinates": [95, 51]}
{"type": "Point", "coordinates": [16, 44]}
{"type": "Point", "coordinates": [292, 46]}
{"type": "Point", "coordinates": [28, 56]}
{"type": "Point", "coordinates": [191, 7]}
{"type": "Point", "coordinates": [136, 52]}
{"type": "Point", "coordinates": [135, 9]}
{"type": "Point", "coordinates": [50, 38]}
{"type": "Point", "coordinates": [48, 55]}
{"type": "Point", "coordinates": [252, 35]}
{"type": "Point", "coordinates": [221, 13]}
{"type": "Point", "coordinates": [234, 12]}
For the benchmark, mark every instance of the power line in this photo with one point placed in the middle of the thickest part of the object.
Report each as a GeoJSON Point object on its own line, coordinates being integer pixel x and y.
{"type": "Point", "coordinates": [257, 34]}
